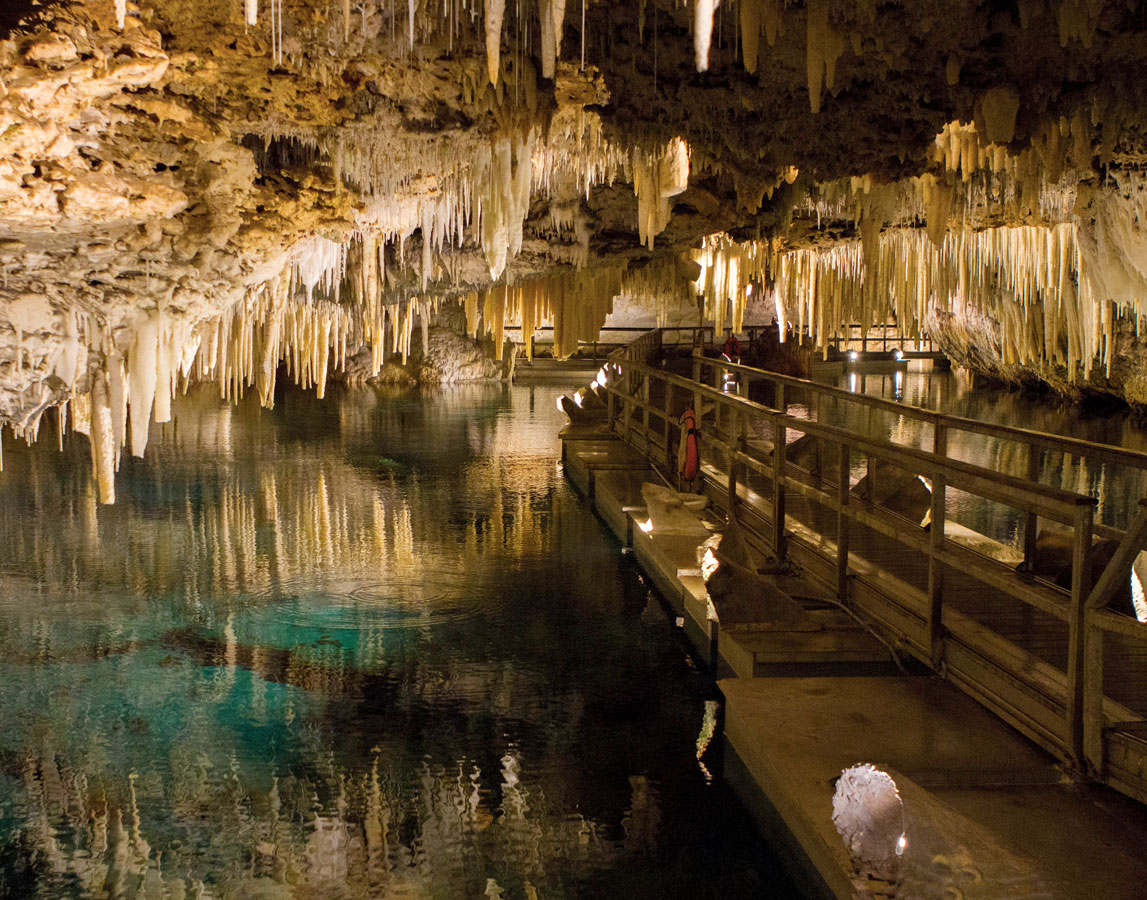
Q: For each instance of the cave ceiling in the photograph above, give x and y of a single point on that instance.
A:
(203, 156)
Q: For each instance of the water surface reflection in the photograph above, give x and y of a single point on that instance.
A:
(956, 392)
(368, 647)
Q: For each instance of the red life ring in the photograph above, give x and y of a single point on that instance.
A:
(689, 450)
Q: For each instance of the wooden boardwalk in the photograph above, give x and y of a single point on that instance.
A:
(1054, 663)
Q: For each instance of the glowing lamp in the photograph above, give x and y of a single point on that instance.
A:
(853, 355)
(646, 526)
(709, 564)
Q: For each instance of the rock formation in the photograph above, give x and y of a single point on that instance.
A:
(226, 191)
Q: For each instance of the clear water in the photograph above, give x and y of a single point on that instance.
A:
(371, 646)
(1117, 490)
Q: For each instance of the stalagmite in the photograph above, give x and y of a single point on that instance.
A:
(703, 11)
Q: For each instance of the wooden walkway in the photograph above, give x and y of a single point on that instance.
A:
(1056, 664)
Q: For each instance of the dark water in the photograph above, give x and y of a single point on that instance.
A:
(372, 646)
(1117, 490)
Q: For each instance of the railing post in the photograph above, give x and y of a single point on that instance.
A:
(779, 396)
(1080, 587)
(1114, 576)
(665, 423)
(645, 410)
(939, 437)
(780, 435)
(739, 424)
(1031, 520)
(936, 571)
(842, 524)
(610, 402)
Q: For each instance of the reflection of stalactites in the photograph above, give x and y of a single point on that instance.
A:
(643, 817)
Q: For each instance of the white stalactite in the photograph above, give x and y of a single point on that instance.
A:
(703, 11)
(495, 9)
(141, 366)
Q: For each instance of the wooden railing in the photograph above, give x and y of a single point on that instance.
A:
(942, 426)
(1064, 710)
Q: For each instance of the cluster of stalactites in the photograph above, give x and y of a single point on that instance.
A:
(1027, 278)
(576, 302)
(974, 181)
(504, 169)
(666, 283)
(128, 389)
(727, 270)
(279, 323)
(482, 193)
(658, 176)
(1034, 281)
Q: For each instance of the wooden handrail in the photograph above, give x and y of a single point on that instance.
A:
(1050, 502)
(1074, 446)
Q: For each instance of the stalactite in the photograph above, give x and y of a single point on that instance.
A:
(750, 33)
(825, 46)
(494, 12)
(657, 177)
(703, 12)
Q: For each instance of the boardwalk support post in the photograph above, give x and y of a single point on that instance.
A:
(781, 435)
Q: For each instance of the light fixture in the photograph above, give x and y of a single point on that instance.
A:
(853, 355)
(561, 408)
(897, 353)
(709, 564)
(646, 526)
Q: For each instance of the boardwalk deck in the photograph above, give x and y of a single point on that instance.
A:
(1070, 676)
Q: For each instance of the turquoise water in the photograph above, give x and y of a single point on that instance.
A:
(371, 646)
